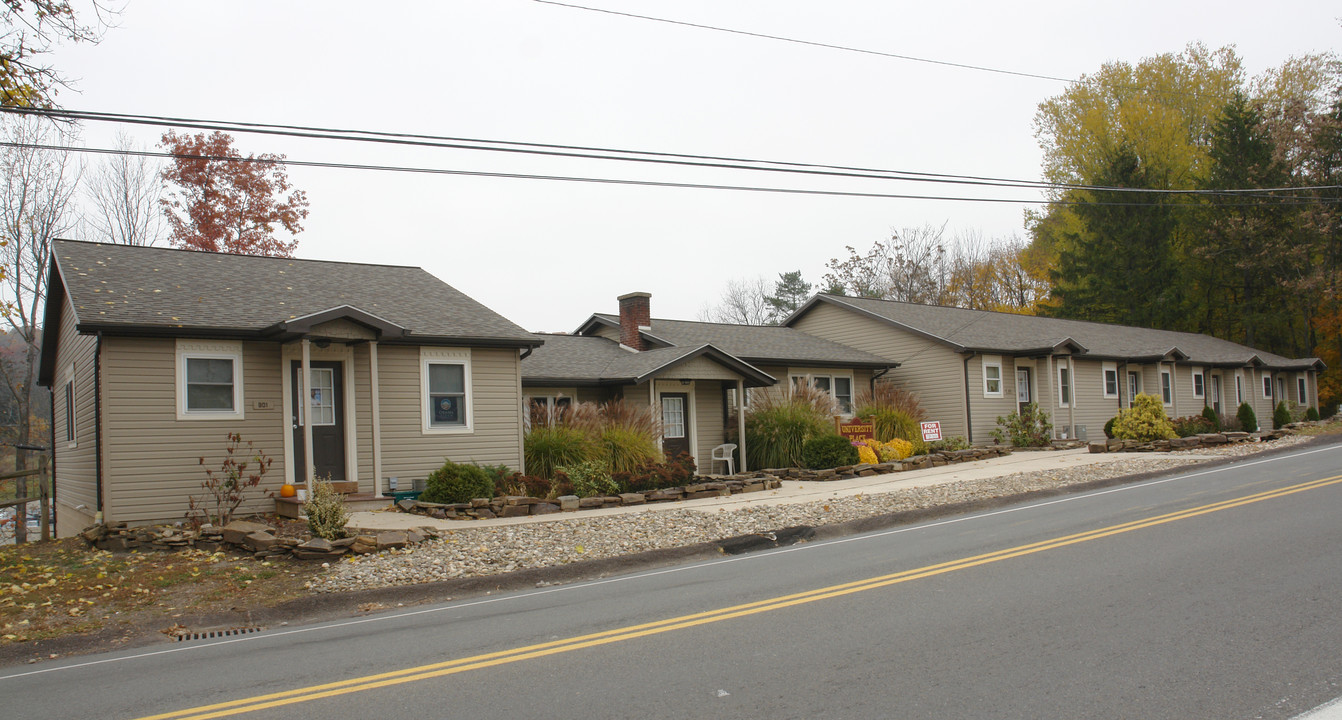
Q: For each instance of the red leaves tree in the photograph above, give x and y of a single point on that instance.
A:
(219, 201)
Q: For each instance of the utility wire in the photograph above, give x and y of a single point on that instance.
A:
(620, 181)
(598, 153)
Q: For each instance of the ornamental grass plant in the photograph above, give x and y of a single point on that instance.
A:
(621, 436)
(892, 410)
(778, 426)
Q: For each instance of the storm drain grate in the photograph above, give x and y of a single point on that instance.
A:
(210, 634)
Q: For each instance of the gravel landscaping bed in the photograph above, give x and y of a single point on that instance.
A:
(488, 551)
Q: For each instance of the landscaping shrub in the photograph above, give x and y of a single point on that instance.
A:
(1028, 428)
(1248, 421)
(866, 453)
(1311, 414)
(547, 447)
(778, 427)
(897, 449)
(1281, 415)
(678, 471)
(589, 478)
(1192, 425)
(954, 442)
(241, 471)
(1210, 413)
(828, 451)
(457, 483)
(1109, 427)
(626, 448)
(893, 411)
(326, 510)
(1144, 421)
(624, 436)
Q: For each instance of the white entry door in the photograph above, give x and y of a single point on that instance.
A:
(1022, 386)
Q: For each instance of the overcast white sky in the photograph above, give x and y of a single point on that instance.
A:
(547, 254)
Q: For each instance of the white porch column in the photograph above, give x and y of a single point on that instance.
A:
(304, 410)
(377, 418)
(1071, 401)
(1052, 393)
(741, 421)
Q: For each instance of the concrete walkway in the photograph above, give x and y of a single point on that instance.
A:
(792, 491)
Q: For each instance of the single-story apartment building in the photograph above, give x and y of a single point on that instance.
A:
(968, 367)
(154, 356)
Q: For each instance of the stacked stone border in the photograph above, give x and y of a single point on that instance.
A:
(1192, 442)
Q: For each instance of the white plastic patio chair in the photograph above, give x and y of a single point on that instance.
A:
(723, 453)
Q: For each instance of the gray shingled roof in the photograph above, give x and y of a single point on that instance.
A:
(1007, 333)
(587, 360)
(758, 344)
(118, 287)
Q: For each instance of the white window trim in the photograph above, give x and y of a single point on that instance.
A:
(1267, 386)
(454, 356)
(1166, 381)
(1134, 381)
(71, 403)
(808, 378)
(212, 349)
(1196, 376)
(1302, 390)
(1239, 389)
(1105, 369)
(993, 361)
(1070, 385)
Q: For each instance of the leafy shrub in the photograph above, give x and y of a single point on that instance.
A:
(828, 451)
(654, 476)
(326, 510)
(241, 471)
(1311, 414)
(1248, 420)
(1192, 425)
(1210, 413)
(457, 483)
(1281, 415)
(1028, 428)
(547, 447)
(589, 478)
(955, 442)
(896, 449)
(778, 427)
(866, 453)
(893, 411)
(1145, 421)
(1109, 427)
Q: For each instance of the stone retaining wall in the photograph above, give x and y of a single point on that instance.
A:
(1185, 443)
(247, 536)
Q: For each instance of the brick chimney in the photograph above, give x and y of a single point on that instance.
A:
(635, 313)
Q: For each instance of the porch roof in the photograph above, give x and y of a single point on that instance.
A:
(582, 360)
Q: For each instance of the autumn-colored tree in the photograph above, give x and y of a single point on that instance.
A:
(28, 30)
(220, 201)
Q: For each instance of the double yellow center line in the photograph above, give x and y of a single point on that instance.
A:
(477, 662)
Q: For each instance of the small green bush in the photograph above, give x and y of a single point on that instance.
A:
(828, 451)
(589, 478)
(1028, 428)
(457, 483)
(954, 442)
(1248, 421)
(547, 447)
(326, 511)
(1210, 413)
(1281, 415)
(676, 472)
(1311, 414)
(1109, 427)
(1144, 421)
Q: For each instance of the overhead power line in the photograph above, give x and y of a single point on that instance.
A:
(623, 181)
(615, 154)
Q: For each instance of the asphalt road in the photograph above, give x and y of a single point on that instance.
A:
(1210, 594)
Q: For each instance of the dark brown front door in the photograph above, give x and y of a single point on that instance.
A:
(675, 424)
(325, 410)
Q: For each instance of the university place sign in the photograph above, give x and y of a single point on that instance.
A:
(855, 430)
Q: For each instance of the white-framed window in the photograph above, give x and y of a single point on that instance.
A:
(1199, 384)
(546, 406)
(69, 394)
(992, 376)
(1267, 387)
(445, 390)
(1064, 387)
(1166, 387)
(209, 380)
(1134, 385)
(1239, 389)
(839, 387)
(1110, 379)
(1302, 396)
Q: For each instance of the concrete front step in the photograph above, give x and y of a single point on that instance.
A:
(356, 502)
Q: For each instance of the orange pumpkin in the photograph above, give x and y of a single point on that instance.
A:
(287, 490)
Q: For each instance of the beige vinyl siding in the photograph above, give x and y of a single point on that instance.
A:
(409, 453)
(152, 459)
(984, 410)
(608, 332)
(700, 368)
(362, 399)
(1183, 390)
(1090, 408)
(76, 467)
(708, 428)
(929, 369)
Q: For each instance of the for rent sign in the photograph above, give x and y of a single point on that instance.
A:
(931, 431)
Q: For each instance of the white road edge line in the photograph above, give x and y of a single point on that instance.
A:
(667, 571)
